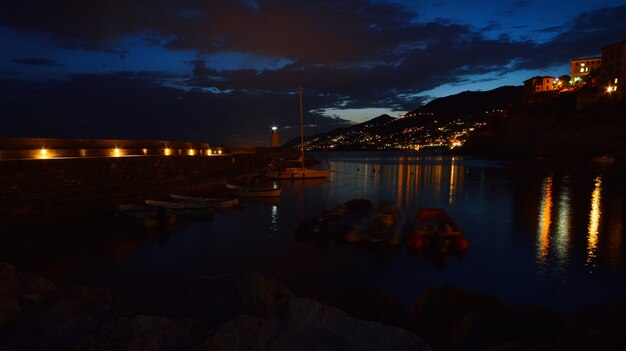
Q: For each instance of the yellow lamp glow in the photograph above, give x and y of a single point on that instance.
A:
(145, 151)
(167, 151)
(219, 152)
(43, 153)
(191, 152)
(116, 152)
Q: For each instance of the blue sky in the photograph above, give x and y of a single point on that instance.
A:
(226, 71)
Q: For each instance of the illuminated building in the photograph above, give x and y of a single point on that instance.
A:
(538, 84)
(581, 67)
(614, 68)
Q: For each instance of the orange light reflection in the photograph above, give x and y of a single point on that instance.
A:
(594, 223)
(545, 219)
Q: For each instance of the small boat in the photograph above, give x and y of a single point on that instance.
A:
(171, 205)
(385, 225)
(209, 201)
(147, 216)
(254, 191)
(336, 221)
(182, 209)
(298, 173)
(603, 160)
(433, 230)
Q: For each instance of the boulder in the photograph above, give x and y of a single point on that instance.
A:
(34, 286)
(9, 311)
(158, 333)
(217, 299)
(58, 327)
(445, 306)
(144, 333)
(478, 330)
(598, 327)
(91, 295)
(363, 303)
(521, 345)
(304, 324)
(9, 280)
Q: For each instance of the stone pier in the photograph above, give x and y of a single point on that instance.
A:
(42, 189)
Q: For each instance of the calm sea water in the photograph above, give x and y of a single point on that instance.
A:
(540, 232)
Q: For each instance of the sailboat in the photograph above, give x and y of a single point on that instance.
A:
(299, 172)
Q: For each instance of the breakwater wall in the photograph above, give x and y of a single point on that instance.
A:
(47, 189)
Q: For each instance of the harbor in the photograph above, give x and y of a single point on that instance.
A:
(73, 178)
(546, 238)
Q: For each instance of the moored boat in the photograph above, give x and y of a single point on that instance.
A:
(182, 209)
(247, 191)
(433, 230)
(145, 215)
(209, 201)
(603, 160)
(385, 225)
(299, 172)
(338, 220)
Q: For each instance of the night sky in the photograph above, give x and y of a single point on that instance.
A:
(224, 72)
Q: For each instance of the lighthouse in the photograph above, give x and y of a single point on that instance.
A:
(274, 136)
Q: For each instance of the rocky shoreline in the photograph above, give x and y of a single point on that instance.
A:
(250, 312)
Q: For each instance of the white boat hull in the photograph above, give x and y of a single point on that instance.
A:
(243, 191)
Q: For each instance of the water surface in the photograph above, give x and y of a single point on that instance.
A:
(540, 232)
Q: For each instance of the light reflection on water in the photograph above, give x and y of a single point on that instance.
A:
(545, 220)
(594, 223)
(562, 231)
(274, 219)
(535, 232)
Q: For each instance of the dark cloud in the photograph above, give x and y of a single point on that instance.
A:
(36, 62)
(515, 7)
(347, 54)
(130, 105)
(551, 29)
(584, 36)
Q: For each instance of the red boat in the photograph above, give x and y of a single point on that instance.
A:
(433, 230)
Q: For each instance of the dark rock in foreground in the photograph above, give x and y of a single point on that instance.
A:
(469, 320)
(303, 324)
(599, 327)
(363, 303)
(229, 312)
(250, 312)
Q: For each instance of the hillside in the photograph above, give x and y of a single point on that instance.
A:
(554, 127)
(374, 125)
(436, 123)
(472, 104)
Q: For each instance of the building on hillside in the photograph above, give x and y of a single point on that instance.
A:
(613, 77)
(538, 84)
(581, 67)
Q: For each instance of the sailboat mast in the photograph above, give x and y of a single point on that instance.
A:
(301, 131)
